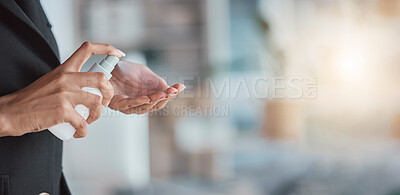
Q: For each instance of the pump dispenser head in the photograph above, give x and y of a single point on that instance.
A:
(106, 66)
(109, 63)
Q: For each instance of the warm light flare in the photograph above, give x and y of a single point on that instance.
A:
(351, 67)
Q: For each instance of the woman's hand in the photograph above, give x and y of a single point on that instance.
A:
(51, 99)
(138, 90)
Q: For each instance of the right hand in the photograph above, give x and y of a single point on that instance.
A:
(51, 99)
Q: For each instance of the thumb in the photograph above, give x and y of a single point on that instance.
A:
(85, 51)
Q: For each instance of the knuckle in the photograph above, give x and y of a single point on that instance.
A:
(98, 111)
(86, 45)
(95, 114)
(61, 78)
(109, 47)
(97, 100)
(102, 77)
(82, 125)
(81, 128)
(62, 91)
(60, 69)
(109, 92)
(62, 109)
(60, 99)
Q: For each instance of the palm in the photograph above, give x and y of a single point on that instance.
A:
(139, 90)
(135, 80)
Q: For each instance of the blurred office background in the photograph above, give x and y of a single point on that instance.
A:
(283, 97)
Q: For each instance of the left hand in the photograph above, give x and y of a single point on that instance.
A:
(138, 90)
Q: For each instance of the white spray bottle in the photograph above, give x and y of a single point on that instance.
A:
(65, 131)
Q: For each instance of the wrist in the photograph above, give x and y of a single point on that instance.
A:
(5, 120)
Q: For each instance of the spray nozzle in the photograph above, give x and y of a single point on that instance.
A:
(109, 63)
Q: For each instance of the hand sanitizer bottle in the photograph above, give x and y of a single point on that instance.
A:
(65, 131)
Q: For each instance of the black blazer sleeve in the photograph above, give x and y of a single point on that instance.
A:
(29, 164)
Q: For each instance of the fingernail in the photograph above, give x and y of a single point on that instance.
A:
(172, 94)
(122, 53)
(164, 98)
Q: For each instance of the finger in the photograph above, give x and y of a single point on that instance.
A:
(172, 92)
(95, 80)
(143, 110)
(179, 87)
(94, 115)
(78, 123)
(155, 99)
(135, 110)
(91, 101)
(126, 103)
(160, 105)
(86, 50)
